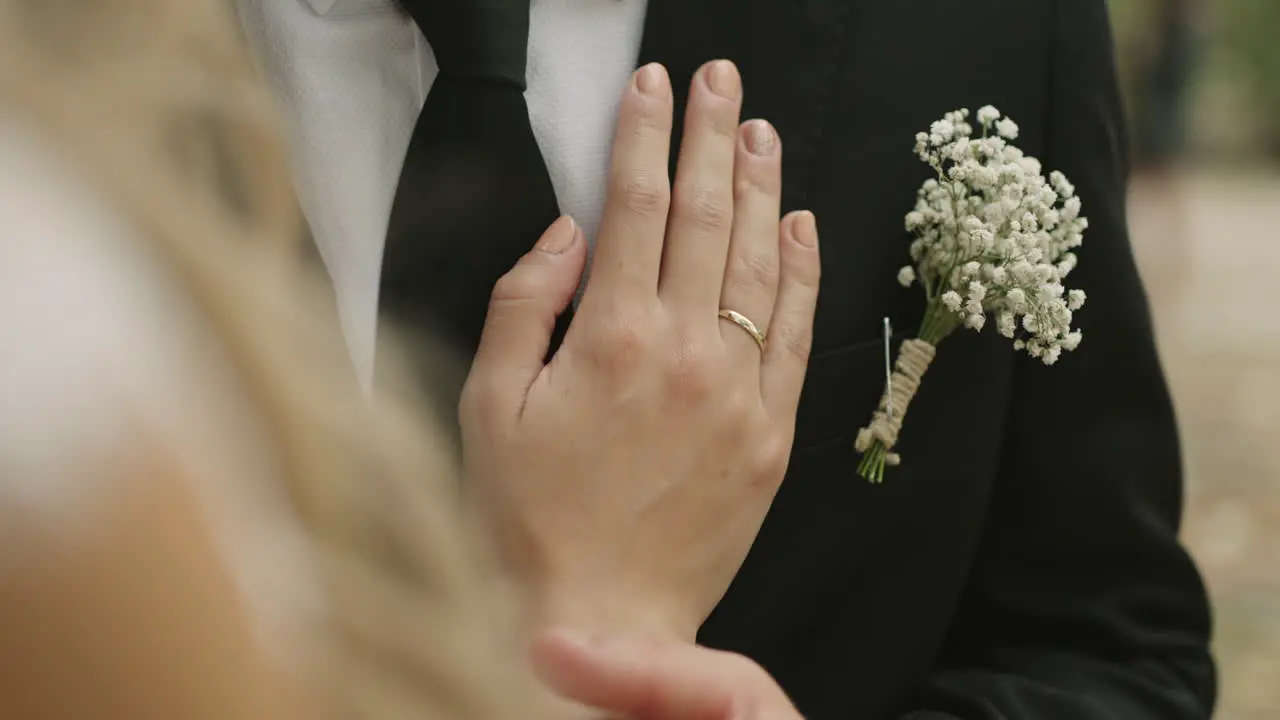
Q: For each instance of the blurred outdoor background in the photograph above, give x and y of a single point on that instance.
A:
(1202, 79)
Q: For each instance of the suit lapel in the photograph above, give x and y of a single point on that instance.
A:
(788, 51)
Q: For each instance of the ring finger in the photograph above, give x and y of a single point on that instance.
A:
(751, 272)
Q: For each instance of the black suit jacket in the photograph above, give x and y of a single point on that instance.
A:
(1023, 562)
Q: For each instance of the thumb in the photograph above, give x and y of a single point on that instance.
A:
(523, 310)
(644, 679)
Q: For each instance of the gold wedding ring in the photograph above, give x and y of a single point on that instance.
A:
(745, 323)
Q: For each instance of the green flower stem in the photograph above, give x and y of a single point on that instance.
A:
(872, 466)
(938, 323)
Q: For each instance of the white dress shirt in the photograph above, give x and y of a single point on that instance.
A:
(353, 75)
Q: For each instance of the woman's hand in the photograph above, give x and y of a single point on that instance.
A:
(628, 478)
(650, 679)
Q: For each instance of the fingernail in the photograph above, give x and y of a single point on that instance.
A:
(651, 79)
(722, 78)
(760, 138)
(560, 236)
(804, 229)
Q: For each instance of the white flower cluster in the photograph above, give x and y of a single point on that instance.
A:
(993, 236)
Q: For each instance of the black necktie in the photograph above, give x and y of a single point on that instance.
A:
(474, 194)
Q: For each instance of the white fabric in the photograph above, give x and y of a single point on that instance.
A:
(352, 76)
(92, 331)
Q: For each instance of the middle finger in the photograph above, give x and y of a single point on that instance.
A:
(702, 201)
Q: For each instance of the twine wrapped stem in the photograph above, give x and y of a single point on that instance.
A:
(881, 435)
(876, 440)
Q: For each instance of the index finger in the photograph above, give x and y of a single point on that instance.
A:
(628, 251)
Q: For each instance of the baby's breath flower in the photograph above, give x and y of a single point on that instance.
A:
(1061, 184)
(941, 132)
(1005, 324)
(990, 234)
(952, 300)
(993, 234)
(1071, 208)
(1075, 299)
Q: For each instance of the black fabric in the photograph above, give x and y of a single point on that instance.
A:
(474, 194)
(1023, 562)
(479, 39)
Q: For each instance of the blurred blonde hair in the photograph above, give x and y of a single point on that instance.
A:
(158, 102)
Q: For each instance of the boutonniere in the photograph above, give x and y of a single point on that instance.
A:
(991, 236)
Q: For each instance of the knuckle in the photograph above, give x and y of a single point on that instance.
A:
(652, 120)
(757, 270)
(745, 185)
(772, 458)
(643, 194)
(513, 286)
(804, 269)
(724, 122)
(757, 181)
(621, 344)
(623, 340)
(739, 408)
(797, 342)
(691, 374)
(705, 206)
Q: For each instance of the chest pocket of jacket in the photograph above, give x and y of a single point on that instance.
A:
(841, 389)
